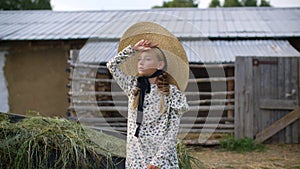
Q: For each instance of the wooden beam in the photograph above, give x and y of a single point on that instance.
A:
(121, 93)
(184, 120)
(125, 108)
(211, 79)
(211, 65)
(278, 104)
(191, 102)
(207, 126)
(278, 125)
(195, 80)
(92, 66)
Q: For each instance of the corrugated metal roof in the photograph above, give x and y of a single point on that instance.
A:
(183, 22)
(204, 51)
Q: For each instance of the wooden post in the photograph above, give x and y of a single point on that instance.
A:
(230, 87)
(243, 118)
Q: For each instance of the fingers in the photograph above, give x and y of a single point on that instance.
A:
(150, 44)
(145, 45)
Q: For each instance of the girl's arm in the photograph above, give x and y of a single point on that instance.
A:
(126, 82)
(177, 100)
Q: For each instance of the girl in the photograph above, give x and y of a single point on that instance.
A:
(155, 101)
(155, 107)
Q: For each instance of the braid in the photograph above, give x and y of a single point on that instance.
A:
(136, 97)
(163, 84)
(164, 89)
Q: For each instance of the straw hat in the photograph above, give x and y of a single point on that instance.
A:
(175, 54)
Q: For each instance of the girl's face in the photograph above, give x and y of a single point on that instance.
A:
(148, 63)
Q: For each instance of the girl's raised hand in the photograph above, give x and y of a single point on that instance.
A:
(144, 45)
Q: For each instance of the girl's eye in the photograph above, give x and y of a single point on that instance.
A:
(139, 59)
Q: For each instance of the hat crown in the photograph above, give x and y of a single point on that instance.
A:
(175, 54)
(144, 28)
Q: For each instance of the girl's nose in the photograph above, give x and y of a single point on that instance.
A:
(141, 62)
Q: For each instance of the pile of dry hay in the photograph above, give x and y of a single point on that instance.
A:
(40, 142)
(44, 142)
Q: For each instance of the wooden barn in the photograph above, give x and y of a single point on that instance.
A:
(54, 63)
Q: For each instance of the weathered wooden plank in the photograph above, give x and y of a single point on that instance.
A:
(208, 126)
(284, 135)
(230, 87)
(103, 124)
(182, 130)
(120, 93)
(183, 119)
(296, 132)
(239, 96)
(278, 125)
(191, 65)
(99, 108)
(277, 90)
(185, 130)
(243, 97)
(89, 66)
(103, 119)
(209, 93)
(100, 102)
(196, 80)
(295, 128)
(93, 93)
(207, 119)
(212, 101)
(213, 107)
(278, 104)
(88, 79)
(125, 108)
(252, 90)
(211, 79)
(211, 65)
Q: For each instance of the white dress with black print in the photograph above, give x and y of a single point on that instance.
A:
(156, 143)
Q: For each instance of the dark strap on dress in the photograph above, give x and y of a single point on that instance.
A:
(145, 87)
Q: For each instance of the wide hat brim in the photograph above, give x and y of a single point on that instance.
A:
(177, 61)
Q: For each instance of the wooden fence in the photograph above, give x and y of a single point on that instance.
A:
(267, 99)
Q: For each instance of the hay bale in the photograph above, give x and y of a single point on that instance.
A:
(42, 142)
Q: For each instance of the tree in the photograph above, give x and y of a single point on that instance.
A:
(239, 3)
(265, 3)
(215, 3)
(232, 3)
(178, 4)
(249, 2)
(25, 4)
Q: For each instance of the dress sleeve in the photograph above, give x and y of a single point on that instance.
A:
(126, 82)
(177, 100)
(178, 105)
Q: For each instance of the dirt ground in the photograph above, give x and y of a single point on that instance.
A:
(275, 156)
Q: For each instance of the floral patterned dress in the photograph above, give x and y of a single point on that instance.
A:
(156, 143)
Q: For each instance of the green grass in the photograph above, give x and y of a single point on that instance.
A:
(186, 160)
(241, 145)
